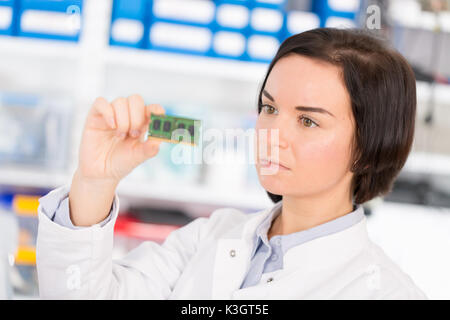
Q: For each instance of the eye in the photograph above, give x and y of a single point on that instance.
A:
(268, 109)
(307, 122)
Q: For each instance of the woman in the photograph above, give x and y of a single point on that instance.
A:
(342, 105)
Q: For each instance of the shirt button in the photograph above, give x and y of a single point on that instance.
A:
(278, 241)
(269, 279)
(232, 253)
(372, 269)
(274, 257)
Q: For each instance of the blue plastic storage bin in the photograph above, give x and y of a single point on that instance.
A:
(182, 26)
(248, 30)
(6, 199)
(233, 15)
(231, 29)
(7, 17)
(262, 48)
(51, 19)
(276, 4)
(229, 44)
(300, 21)
(267, 18)
(267, 29)
(337, 12)
(129, 24)
(34, 130)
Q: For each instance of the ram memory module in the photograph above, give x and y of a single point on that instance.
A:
(163, 127)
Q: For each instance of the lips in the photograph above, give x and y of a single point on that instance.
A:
(268, 163)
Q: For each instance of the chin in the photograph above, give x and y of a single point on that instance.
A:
(272, 183)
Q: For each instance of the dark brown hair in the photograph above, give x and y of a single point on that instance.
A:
(382, 88)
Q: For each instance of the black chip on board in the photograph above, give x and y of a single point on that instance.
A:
(181, 126)
(191, 130)
(156, 124)
(166, 127)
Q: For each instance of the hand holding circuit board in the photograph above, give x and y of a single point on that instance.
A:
(174, 129)
(118, 136)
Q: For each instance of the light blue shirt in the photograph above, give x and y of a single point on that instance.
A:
(56, 207)
(267, 256)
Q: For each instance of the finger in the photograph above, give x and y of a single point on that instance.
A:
(154, 109)
(137, 115)
(120, 106)
(149, 110)
(102, 107)
(149, 148)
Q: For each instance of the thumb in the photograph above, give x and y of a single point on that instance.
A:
(148, 149)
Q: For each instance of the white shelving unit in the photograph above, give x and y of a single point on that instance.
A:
(195, 66)
(427, 163)
(85, 67)
(197, 194)
(87, 64)
(29, 177)
(39, 48)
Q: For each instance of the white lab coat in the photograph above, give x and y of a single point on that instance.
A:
(195, 263)
(9, 234)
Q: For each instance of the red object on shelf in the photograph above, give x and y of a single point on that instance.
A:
(442, 79)
(133, 228)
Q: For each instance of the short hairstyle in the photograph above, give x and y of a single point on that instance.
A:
(382, 88)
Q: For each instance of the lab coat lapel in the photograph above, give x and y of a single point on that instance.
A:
(313, 268)
(328, 252)
(233, 257)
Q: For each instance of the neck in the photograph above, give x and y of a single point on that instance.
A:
(302, 213)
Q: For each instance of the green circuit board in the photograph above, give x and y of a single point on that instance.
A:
(163, 127)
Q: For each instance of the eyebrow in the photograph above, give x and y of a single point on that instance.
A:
(301, 108)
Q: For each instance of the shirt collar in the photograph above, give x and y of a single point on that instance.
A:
(290, 240)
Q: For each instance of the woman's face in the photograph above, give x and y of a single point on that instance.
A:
(306, 102)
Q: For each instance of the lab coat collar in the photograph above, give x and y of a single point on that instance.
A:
(338, 246)
(329, 251)
(322, 254)
(248, 234)
(232, 258)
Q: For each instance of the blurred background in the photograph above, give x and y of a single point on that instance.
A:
(206, 60)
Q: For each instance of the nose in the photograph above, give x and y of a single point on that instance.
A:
(271, 136)
(270, 141)
(278, 137)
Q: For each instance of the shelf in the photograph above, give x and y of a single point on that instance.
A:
(409, 14)
(32, 178)
(192, 65)
(244, 198)
(428, 163)
(96, 35)
(418, 162)
(38, 48)
(441, 92)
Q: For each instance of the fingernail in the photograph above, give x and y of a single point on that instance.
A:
(121, 135)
